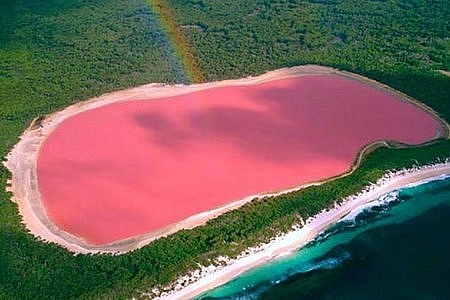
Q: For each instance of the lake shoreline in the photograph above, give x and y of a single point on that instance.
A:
(22, 160)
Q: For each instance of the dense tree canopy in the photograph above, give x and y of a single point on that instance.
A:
(56, 52)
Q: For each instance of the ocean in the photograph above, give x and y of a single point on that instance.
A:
(398, 247)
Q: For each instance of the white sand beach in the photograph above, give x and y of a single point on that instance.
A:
(209, 277)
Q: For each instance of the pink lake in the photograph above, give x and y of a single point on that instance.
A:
(131, 168)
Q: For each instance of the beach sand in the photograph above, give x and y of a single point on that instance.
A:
(209, 278)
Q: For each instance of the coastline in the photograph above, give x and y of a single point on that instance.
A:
(201, 281)
(21, 161)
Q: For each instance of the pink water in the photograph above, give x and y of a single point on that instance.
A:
(130, 168)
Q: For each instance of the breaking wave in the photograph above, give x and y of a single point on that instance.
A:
(334, 252)
(425, 181)
(251, 292)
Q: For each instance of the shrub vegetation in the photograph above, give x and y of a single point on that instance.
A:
(56, 52)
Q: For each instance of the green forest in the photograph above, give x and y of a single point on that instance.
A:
(55, 53)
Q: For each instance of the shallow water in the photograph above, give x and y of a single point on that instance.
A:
(398, 248)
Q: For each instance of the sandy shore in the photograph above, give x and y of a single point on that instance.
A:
(21, 161)
(209, 277)
(445, 72)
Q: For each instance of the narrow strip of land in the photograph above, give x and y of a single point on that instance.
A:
(286, 244)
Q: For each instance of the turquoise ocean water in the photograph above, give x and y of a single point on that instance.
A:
(397, 248)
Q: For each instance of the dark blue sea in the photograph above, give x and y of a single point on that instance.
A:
(397, 248)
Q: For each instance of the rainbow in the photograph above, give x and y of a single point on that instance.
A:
(163, 14)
